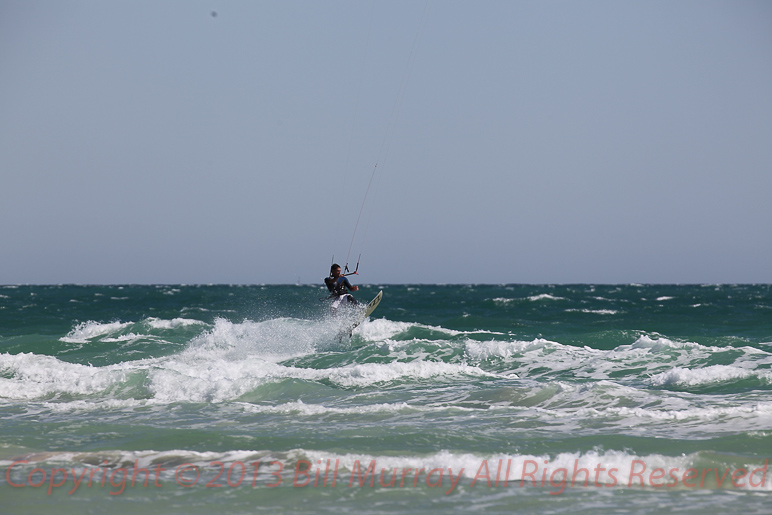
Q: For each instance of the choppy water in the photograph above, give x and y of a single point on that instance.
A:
(518, 399)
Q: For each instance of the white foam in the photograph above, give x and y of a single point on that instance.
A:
(544, 296)
(86, 331)
(662, 360)
(213, 379)
(499, 349)
(658, 344)
(367, 374)
(206, 377)
(36, 376)
(755, 410)
(596, 469)
(318, 409)
(274, 339)
(701, 376)
(202, 380)
(86, 405)
(222, 363)
(157, 323)
(123, 338)
(595, 311)
(382, 329)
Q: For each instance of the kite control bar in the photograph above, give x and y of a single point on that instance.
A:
(345, 269)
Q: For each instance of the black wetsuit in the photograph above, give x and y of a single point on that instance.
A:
(339, 287)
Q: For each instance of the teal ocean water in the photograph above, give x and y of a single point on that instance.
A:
(497, 399)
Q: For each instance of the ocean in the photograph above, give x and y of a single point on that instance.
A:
(450, 398)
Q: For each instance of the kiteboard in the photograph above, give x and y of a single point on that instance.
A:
(367, 311)
(360, 316)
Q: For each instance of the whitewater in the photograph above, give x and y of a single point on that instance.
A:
(450, 398)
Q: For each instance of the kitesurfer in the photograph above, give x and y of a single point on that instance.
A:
(339, 288)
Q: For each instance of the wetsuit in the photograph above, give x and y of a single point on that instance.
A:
(339, 288)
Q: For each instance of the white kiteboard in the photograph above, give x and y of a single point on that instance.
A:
(368, 310)
(360, 316)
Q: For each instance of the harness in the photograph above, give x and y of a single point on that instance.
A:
(337, 286)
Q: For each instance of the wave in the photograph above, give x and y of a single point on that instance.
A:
(192, 377)
(762, 411)
(91, 331)
(224, 379)
(506, 349)
(594, 311)
(659, 359)
(33, 376)
(384, 331)
(544, 296)
(553, 473)
(226, 361)
(708, 375)
(175, 323)
(303, 409)
(531, 298)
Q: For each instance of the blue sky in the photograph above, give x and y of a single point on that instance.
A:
(515, 142)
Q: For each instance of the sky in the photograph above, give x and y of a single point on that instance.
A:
(252, 142)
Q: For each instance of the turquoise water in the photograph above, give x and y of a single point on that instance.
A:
(512, 398)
